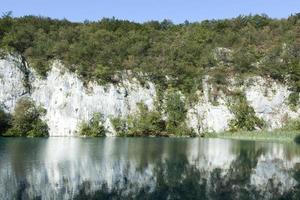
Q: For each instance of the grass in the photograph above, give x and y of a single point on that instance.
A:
(278, 135)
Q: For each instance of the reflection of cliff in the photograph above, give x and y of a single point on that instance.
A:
(158, 168)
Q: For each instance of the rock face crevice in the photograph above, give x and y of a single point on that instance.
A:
(69, 101)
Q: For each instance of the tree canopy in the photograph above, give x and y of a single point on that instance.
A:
(178, 55)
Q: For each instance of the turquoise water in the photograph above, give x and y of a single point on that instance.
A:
(147, 168)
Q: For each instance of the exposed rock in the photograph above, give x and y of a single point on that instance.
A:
(207, 117)
(12, 81)
(69, 102)
(269, 100)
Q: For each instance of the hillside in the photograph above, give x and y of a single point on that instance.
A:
(153, 78)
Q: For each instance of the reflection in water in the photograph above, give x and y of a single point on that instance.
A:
(147, 168)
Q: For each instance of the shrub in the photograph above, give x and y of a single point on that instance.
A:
(176, 114)
(5, 121)
(92, 128)
(244, 116)
(292, 125)
(146, 122)
(120, 125)
(175, 110)
(39, 129)
(26, 120)
(243, 58)
(293, 99)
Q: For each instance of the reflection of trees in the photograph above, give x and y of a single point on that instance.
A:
(295, 192)
(235, 184)
(174, 180)
(178, 179)
(149, 170)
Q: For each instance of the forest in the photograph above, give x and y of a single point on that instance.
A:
(171, 55)
(175, 57)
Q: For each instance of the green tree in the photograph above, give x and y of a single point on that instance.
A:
(93, 128)
(244, 116)
(26, 120)
(146, 122)
(176, 114)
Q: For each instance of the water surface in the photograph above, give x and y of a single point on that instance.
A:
(148, 168)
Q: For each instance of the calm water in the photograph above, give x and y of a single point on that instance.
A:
(147, 168)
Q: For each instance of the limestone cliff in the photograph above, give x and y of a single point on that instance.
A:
(68, 101)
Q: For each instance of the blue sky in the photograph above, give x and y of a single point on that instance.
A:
(145, 10)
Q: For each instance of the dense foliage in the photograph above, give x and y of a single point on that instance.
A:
(244, 116)
(92, 128)
(4, 121)
(26, 120)
(176, 114)
(147, 122)
(178, 55)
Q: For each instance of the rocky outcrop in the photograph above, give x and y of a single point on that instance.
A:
(270, 101)
(12, 81)
(69, 102)
(268, 98)
(207, 116)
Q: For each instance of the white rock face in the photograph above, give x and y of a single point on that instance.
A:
(269, 100)
(207, 117)
(69, 102)
(11, 82)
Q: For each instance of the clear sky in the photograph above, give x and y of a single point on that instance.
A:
(144, 10)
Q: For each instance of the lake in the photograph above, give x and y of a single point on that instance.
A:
(147, 168)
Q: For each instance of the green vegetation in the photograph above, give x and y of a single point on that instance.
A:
(92, 128)
(293, 99)
(277, 135)
(120, 126)
(175, 57)
(292, 125)
(289, 132)
(244, 116)
(147, 122)
(26, 120)
(176, 114)
(171, 55)
(5, 120)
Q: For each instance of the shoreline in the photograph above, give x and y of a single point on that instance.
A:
(276, 136)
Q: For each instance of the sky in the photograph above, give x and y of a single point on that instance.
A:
(145, 10)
